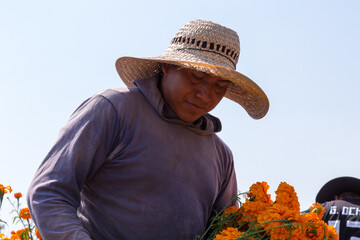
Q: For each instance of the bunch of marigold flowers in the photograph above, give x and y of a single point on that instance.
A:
(261, 218)
(28, 230)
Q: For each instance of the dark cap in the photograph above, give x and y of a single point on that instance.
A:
(337, 186)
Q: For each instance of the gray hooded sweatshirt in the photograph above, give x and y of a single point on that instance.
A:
(125, 167)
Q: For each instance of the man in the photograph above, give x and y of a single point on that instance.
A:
(341, 200)
(145, 162)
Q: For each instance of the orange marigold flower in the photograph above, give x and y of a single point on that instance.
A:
(286, 195)
(312, 226)
(15, 236)
(21, 234)
(228, 234)
(257, 202)
(318, 209)
(275, 216)
(331, 233)
(4, 189)
(2, 237)
(310, 217)
(258, 192)
(231, 216)
(250, 210)
(37, 234)
(229, 210)
(18, 195)
(25, 213)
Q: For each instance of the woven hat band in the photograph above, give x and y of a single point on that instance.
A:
(183, 43)
(208, 37)
(195, 55)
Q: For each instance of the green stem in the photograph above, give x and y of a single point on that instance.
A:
(280, 226)
(215, 218)
(17, 210)
(30, 229)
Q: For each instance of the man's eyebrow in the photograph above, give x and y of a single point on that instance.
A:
(221, 80)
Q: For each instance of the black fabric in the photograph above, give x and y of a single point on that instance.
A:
(344, 215)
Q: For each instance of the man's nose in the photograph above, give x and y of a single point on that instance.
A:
(204, 92)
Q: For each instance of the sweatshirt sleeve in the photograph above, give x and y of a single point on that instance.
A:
(228, 193)
(81, 148)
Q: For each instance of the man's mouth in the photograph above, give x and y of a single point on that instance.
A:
(195, 108)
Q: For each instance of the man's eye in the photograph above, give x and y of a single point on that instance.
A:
(197, 76)
(221, 86)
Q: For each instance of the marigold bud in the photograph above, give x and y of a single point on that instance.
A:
(316, 210)
(18, 195)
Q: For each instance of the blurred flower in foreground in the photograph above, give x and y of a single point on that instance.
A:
(37, 234)
(4, 189)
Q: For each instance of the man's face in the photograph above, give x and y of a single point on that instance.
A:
(189, 93)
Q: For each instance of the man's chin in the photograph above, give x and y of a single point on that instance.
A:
(189, 119)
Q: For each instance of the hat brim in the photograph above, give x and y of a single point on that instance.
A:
(242, 89)
(336, 187)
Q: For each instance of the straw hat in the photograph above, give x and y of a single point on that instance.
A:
(208, 47)
(336, 187)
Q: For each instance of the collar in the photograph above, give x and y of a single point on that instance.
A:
(351, 200)
(205, 125)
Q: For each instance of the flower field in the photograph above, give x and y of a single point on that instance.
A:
(22, 218)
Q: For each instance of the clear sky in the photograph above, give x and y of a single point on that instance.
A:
(304, 54)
